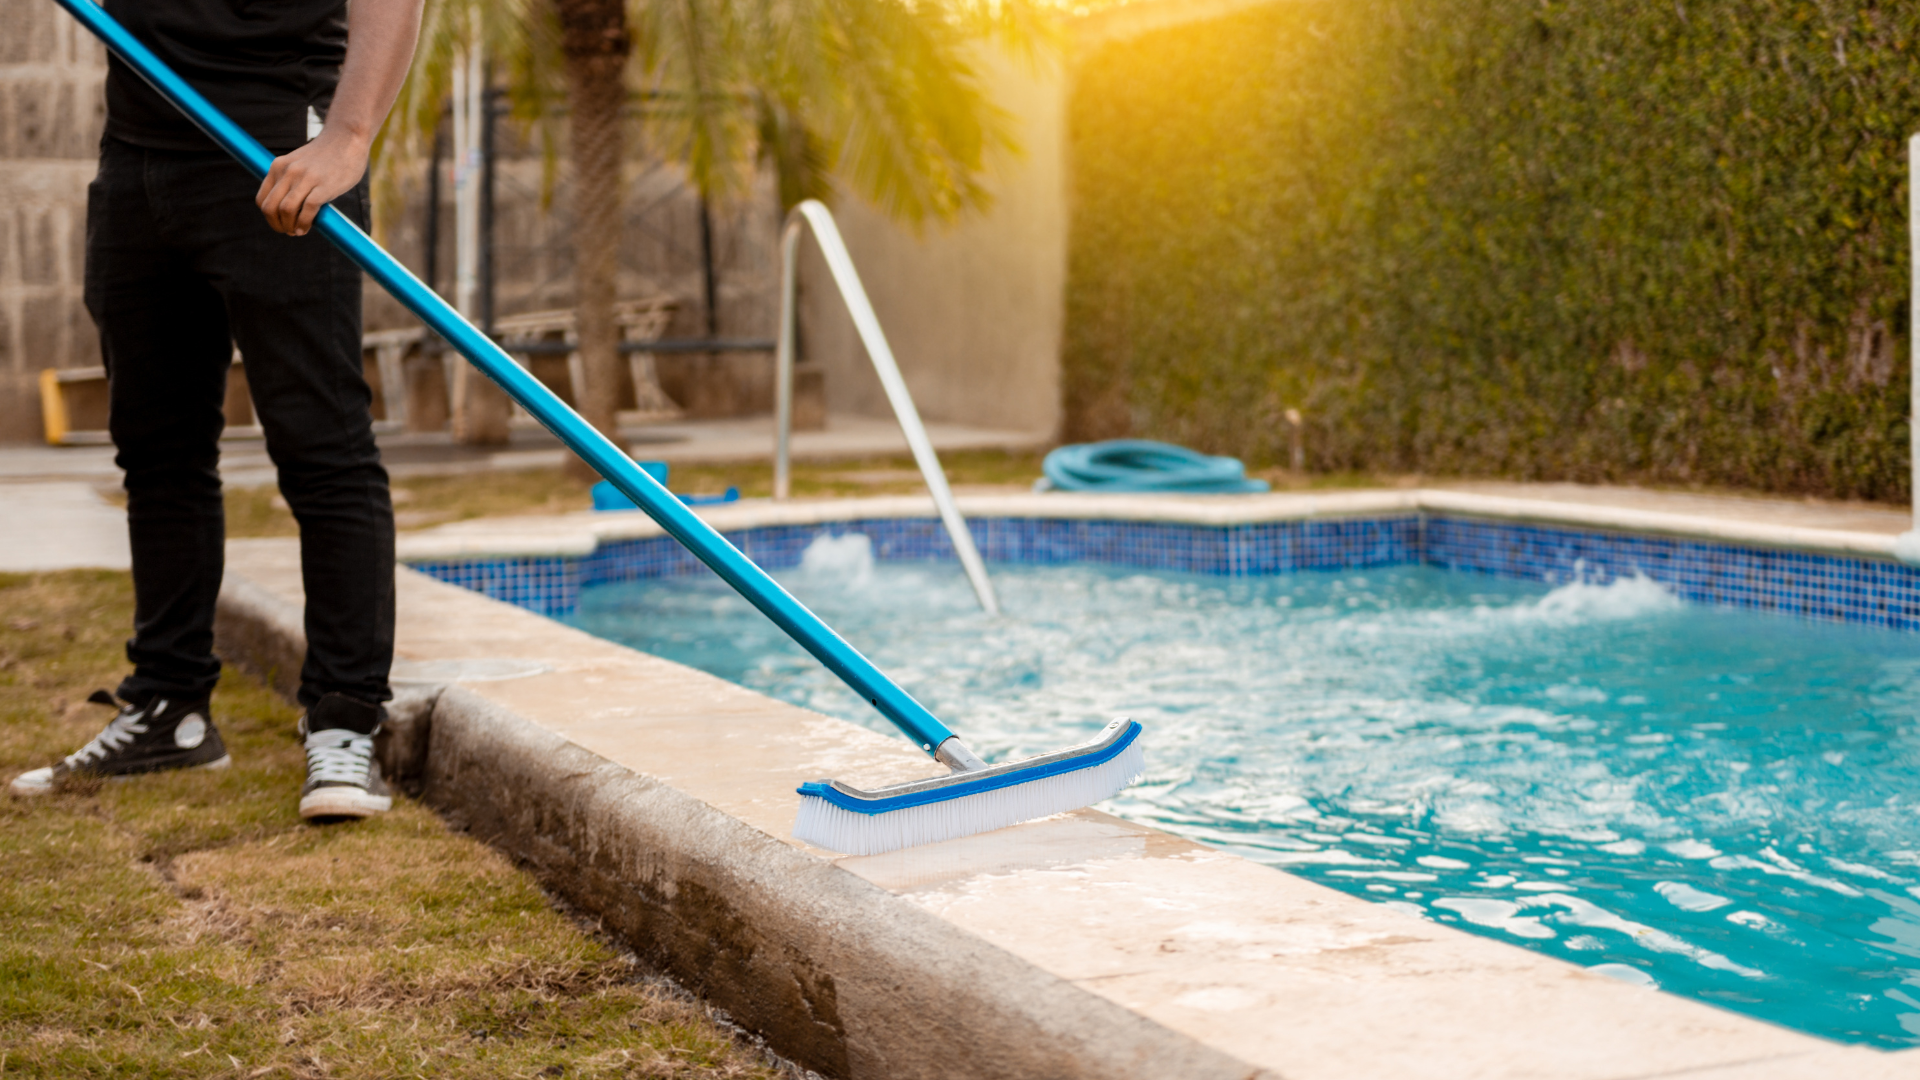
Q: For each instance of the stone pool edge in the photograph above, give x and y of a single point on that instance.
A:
(856, 979)
(580, 534)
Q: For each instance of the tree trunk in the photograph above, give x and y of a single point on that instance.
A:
(596, 45)
(482, 412)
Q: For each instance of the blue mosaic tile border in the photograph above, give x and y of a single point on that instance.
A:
(1276, 547)
(548, 585)
(1828, 587)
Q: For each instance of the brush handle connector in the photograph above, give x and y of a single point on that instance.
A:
(954, 755)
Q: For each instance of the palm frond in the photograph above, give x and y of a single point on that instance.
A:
(884, 96)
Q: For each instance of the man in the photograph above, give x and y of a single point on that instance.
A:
(188, 257)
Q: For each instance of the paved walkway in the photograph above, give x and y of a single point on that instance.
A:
(244, 461)
(60, 526)
(1755, 509)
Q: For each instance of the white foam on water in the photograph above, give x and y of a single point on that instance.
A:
(1581, 912)
(1577, 695)
(1495, 914)
(1753, 920)
(847, 558)
(1626, 973)
(1862, 870)
(1779, 865)
(1687, 898)
(1386, 875)
(1622, 598)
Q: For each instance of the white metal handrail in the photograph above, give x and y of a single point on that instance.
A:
(1906, 546)
(827, 235)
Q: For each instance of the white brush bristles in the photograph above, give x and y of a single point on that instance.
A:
(823, 824)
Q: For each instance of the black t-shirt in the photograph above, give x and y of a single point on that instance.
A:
(265, 63)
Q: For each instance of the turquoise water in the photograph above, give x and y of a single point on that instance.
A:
(1719, 803)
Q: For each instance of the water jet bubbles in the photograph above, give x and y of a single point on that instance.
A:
(847, 558)
(1623, 598)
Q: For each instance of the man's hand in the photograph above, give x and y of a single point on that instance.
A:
(303, 181)
(380, 36)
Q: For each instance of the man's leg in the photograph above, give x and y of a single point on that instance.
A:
(163, 336)
(164, 339)
(294, 306)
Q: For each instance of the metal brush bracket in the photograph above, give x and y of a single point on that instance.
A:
(954, 755)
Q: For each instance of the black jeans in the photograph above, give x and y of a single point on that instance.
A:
(181, 267)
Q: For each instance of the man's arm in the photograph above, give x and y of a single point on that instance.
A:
(380, 39)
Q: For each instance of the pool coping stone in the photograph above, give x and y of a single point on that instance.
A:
(580, 534)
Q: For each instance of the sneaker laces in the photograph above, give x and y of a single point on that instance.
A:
(119, 732)
(341, 757)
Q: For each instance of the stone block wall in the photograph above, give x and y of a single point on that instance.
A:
(51, 109)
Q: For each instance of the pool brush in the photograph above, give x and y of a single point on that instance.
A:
(975, 797)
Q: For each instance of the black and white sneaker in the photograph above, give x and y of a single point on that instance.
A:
(162, 734)
(343, 780)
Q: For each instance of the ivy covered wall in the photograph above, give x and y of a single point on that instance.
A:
(1657, 241)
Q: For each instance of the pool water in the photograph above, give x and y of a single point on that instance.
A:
(1719, 803)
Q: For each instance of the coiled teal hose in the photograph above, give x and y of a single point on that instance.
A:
(1143, 465)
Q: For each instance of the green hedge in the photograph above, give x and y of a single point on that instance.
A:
(1603, 240)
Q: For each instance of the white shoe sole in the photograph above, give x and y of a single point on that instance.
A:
(344, 802)
(40, 781)
(33, 782)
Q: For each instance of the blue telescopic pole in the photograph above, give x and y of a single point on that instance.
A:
(682, 524)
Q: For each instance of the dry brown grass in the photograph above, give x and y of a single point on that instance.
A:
(191, 925)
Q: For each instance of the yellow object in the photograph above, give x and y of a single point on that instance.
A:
(53, 407)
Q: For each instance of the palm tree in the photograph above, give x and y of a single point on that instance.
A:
(880, 92)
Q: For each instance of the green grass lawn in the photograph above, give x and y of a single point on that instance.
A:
(190, 925)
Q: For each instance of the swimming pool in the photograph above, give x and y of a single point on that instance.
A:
(1718, 802)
